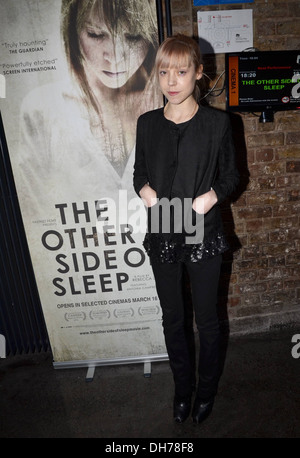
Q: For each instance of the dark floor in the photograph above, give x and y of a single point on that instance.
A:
(259, 396)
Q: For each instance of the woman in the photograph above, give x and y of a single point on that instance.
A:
(78, 134)
(185, 154)
(110, 46)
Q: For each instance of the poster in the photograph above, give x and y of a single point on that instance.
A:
(77, 75)
(225, 31)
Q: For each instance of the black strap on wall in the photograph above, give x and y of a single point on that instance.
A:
(160, 19)
(168, 18)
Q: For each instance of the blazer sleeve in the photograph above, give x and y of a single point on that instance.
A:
(140, 174)
(227, 177)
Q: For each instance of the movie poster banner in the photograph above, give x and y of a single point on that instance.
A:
(77, 75)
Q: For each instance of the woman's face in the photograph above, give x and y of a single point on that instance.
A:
(178, 83)
(113, 59)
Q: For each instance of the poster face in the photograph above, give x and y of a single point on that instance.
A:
(78, 73)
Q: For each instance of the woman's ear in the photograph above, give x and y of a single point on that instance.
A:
(199, 72)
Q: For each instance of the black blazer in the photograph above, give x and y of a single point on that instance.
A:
(210, 161)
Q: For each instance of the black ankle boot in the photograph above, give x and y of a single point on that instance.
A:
(201, 410)
(181, 409)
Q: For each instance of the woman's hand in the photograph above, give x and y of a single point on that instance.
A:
(148, 196)
(202, 204)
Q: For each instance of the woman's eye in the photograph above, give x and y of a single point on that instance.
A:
(162, 72)
(133, 38)
(182, 72)
(96, 36)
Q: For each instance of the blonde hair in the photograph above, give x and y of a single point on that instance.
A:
(138, 16)
(179, 51)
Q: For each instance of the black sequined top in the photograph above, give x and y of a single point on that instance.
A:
(161, 249)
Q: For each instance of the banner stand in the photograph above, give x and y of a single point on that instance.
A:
(92, 364)
(148, 359)
(72, 169)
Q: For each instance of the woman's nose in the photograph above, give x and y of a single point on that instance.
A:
(114, 50)
(171, 79)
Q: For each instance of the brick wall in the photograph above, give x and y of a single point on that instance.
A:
(260, 286)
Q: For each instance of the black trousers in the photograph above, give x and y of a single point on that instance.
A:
(204, 279)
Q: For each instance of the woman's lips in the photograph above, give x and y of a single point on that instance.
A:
(173, 93)
(113, 74)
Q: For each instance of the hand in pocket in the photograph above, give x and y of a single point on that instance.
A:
(202, 204)
(148, 196)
